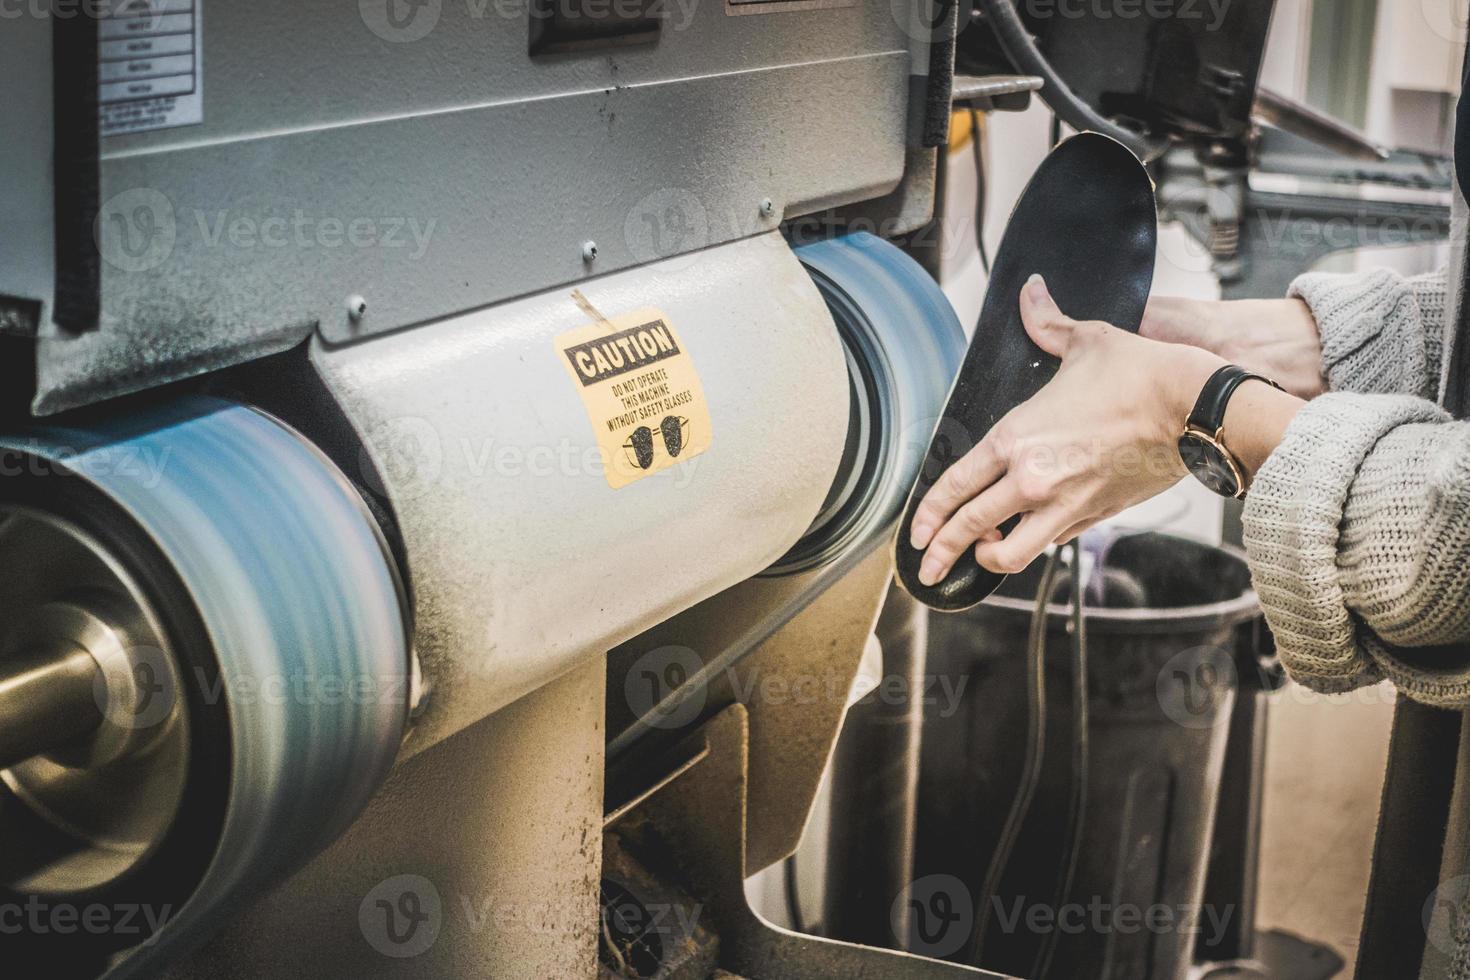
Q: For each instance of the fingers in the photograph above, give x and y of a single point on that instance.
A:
(976, 521)
(974, 471)
(1045, 323)
(1021, 547)
(985, 464)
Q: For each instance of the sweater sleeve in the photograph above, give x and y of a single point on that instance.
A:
(1382, 333)
(1357, 529)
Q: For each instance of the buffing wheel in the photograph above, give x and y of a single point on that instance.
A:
(244, 567)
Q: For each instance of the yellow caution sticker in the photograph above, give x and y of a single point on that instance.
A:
(641, 392)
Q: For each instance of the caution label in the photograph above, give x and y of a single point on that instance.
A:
(641, 391)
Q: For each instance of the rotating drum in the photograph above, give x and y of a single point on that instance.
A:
(211, 624)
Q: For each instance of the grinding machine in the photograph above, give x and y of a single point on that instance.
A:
(417, 418)
(451, 452)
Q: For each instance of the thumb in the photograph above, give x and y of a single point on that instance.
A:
(1046, 324)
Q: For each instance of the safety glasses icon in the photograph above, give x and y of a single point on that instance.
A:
(674, 430)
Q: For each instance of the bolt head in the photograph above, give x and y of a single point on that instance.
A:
(768, 207)
(356, 307)
(589, 251)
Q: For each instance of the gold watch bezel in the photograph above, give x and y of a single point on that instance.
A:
(1217, 439)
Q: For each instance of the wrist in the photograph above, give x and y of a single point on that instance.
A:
(1182, 378)
(1255, 422)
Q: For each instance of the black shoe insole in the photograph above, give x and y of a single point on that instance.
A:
(1086, 222)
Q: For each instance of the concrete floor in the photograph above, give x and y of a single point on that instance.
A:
(1324, 771)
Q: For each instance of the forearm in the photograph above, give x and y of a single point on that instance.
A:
(1255, 422)
(1371, 333)
(1274, 337)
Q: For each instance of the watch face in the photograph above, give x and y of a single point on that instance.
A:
(1209, 464)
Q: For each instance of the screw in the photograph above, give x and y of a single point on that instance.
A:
(356, 307)
(589, 251)
(768, 207)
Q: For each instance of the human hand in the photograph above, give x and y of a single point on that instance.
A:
(1276, 338)
(1100, 436)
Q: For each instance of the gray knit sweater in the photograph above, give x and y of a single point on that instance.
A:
(1358, 525)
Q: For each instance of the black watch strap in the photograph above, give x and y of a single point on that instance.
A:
(1208, 414)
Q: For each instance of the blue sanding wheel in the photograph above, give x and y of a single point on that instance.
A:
(296, 662)
(903, 344)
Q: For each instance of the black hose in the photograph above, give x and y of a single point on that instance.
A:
(1030, 765)
(1020, 47)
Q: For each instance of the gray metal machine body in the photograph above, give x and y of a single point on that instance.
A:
(365, 167)
(412, 200)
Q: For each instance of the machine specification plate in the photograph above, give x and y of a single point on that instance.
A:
(641, 392)
(149, 65)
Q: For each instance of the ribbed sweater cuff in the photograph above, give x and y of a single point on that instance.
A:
(1372, 338)
(1292, 516)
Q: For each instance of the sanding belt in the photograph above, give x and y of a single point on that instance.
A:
(1419, 810)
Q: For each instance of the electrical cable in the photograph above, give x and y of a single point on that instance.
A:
(1031, 763)
(1020, 47)
(1081, 751)
(979, 190)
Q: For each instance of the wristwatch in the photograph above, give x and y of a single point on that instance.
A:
(1202, 444)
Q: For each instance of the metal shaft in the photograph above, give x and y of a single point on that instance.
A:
(48, 698)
